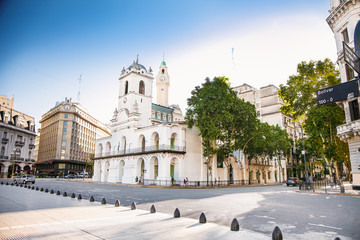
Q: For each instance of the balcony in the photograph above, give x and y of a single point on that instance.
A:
(4, 140)
(3, 157)
(31, 146)
(19, 143)
(139, 151)
(349, 130)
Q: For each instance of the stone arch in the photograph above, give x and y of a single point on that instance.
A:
(123, 144)
(97, 171)
(27, 168)
(100, 150)
(106, 171)
(2, 170)
(155, 140)
(154, 168)
(141, 143)
(121, 170)
(140, 169)
(141, 87)
(108, 148)
(175, 168)
(173, 140)
(17, 168)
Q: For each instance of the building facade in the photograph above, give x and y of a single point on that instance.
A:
(267, 105)
(344, 21)
(150, 142)
(67, 139)
(17, 132)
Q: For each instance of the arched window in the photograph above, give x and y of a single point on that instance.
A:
(141, 87)
(163, 71)
(126, 87)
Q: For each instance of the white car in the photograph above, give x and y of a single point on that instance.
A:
(24, 179)
(81, 175)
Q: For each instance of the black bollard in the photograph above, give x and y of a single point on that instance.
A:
(58, 192)
(7, 183)
(176, 213)
(133, 206)
(29, 187)
(46, 190)
(79, 197)
(25, 186)
(342, 189)
(32, 188)
(2, 183)
(276, 234)
(65, 194)
(12, 184)
(73, 195)
(41, 189)
(21, 185)
(235, 225)
(202, 218)
(337, 238)
(52, 191)
(17, 184)
(92, 199)
(37, 189)
(117, 203)
(152, 209)
(103, 201)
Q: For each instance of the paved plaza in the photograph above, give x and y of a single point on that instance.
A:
(31, 214)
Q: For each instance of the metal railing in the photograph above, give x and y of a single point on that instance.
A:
(326, 186)
(150, 149)
(222, 183)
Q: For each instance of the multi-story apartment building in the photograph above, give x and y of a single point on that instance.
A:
(17, 133)
(267, 104)
(67, 139)
(344, 21)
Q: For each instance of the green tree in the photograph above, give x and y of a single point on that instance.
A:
(299, 93)
(223, 119)
(299, 98)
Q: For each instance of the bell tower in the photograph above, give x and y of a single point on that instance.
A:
(162, 85)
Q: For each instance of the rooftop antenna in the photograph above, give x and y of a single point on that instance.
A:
(79, 88)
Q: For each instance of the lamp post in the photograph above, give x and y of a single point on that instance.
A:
(280, 168)
(14, 157)
(303, 152)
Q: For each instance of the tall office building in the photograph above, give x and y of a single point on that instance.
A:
(67, 139)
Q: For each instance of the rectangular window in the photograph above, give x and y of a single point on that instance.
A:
(64, 136)
(63, 144)
(64, 130)
(349, 72)
(66, 115)
(354, 110)
(345, 35)
(65, 123)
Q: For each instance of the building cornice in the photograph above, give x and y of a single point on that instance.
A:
(18, 129)
(339, 11)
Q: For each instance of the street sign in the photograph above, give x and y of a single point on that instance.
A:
(351, 58)
(343, 91)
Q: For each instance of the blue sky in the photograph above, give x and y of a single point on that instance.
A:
(46, 44)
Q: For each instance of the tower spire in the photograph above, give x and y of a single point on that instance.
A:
(79, 88)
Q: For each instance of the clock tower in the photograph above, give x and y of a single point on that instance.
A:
(162, 85)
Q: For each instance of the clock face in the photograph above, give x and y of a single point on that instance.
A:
(67, 107)
(162, 79)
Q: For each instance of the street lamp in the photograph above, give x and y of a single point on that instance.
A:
(280, 153)
(303, 152)
(14, 157)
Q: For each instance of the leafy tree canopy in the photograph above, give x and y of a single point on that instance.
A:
(299, 94)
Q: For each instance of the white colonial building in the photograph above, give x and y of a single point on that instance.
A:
(344, 21)
(149, 142)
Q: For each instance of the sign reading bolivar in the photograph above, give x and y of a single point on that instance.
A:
(340, 92)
